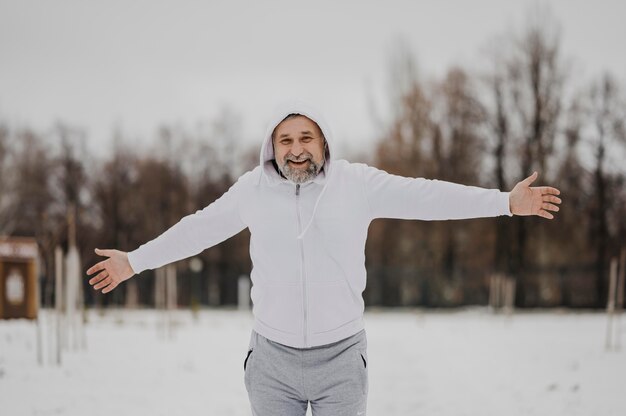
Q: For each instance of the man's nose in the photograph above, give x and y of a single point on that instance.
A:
(297, 149)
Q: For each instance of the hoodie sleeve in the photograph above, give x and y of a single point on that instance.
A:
(392, 196)
(193, 233)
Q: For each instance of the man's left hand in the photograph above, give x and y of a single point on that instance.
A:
(527, 200)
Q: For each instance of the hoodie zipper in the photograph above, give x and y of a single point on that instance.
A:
(302, 269)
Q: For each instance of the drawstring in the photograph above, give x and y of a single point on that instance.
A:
(314, 209)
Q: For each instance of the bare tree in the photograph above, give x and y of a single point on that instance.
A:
(436, 131)
(526, 85)
(499, 121)
(607, 111)
(569, 237)
(457, 149)
(218, 159)
(392, 257)
(8, 207)
(117, 210)
(33, 198)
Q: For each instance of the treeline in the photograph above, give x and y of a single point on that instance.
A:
(123, 200)
(492, 128)
(523, 111)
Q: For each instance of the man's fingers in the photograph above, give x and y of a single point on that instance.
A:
(101, 252)
(545, 214)
(548, 190)
(109, 288)
(530, 179)
(103, 280)
(103, 283)
(551, 198)
(549, 207)
(96, 267)
(103, 274)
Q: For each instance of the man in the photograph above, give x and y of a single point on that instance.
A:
(308, 216)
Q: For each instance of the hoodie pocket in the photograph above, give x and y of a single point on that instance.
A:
(331, 306)
(245, 362)
(279, 307)
(361, 356)
(246, 369)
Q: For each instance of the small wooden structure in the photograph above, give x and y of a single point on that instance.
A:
(18, 278)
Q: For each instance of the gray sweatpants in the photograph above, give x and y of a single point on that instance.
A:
(282, 380)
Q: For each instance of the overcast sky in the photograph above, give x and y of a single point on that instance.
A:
(137, 64)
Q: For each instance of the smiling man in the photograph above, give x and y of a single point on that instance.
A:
(299, 147)
(308, 216)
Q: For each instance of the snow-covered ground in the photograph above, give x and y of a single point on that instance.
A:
(420, 363)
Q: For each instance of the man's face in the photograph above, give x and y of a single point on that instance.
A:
(299, 149)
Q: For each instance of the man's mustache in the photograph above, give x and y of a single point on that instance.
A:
(296, 159)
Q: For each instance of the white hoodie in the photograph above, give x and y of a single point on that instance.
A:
(307, 242)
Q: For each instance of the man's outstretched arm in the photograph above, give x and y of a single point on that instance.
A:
(392, 196)
(191, 235)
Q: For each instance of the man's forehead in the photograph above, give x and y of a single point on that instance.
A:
(297, 118)
(302, 132)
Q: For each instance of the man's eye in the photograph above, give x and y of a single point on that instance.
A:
(307, 139)
(285, 141)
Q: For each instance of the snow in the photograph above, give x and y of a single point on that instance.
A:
(467, 362)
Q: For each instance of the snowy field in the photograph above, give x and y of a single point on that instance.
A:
(420, 363)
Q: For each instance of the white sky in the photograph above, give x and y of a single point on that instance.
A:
(136, 64)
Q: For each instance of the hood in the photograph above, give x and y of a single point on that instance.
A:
(267, 150)
(268, 170)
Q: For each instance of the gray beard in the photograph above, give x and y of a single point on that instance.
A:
(296, 175)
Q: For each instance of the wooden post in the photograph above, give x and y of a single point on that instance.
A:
(132, 294)
(72, 307)
(509, 295)
(58, 294)
(492, 294)
(170, 272)
(610, 305)
(159, 297)
(39, 317)
(619, 304)
(166, 297)
(158, 289)
(213, 284)
(501, 293)
(620, 283)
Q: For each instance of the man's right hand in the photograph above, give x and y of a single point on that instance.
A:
(113, 270)
(534, 200)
